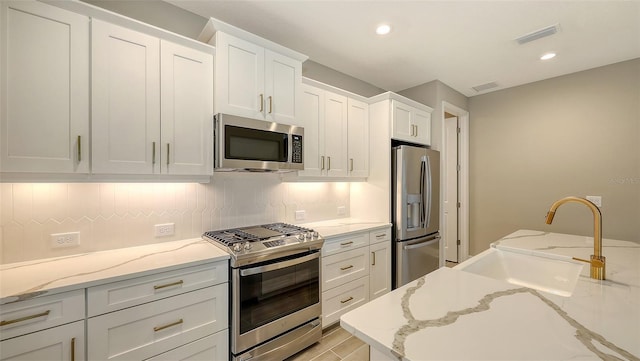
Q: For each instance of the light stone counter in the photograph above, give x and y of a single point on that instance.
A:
(450, 314)
(344, 226)
(24, 280)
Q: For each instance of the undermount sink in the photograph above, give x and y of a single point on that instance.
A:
(551, 275)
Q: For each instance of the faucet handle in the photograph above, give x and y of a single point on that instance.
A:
(595, 262)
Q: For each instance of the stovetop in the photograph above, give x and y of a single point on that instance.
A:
(254, 244)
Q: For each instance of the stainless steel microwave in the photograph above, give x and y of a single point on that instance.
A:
(244, 144)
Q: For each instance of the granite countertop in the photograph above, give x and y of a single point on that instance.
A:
(344, 226)
(24, 280)
(450, 314)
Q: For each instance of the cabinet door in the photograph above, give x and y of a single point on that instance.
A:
(358, 135)
(283, 77)
(125, 100)
(214, 347)
(239, 86)
(422, 130)
(59, 343)
(186, 110)
(401, 122)
(335, 131)
(45, 89)
(380, 269)
(312, 118)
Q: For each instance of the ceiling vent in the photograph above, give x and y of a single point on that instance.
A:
(483, 87)
(548, 31)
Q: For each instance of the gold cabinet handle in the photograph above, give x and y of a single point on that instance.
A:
(25, 318)
(380, 235)
(346, 243)
(153, 153)
(328, 163)
(167, 153)
(416, 130)
(175, 323)
(346, 267)
(373, 258)
(322, 162)
(350, 164)
(73, 349)
(159, 287)
(79, 148)
(270, 104)
(347, 300)
(261, 103)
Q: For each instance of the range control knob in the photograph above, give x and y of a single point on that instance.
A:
(237, 247)
(247, 245)
(308, 236)
(301, 237)
(315, 234)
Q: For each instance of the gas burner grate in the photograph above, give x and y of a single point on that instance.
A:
(230, 237)
(286, 229)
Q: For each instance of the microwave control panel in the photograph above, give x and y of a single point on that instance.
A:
(296, 148)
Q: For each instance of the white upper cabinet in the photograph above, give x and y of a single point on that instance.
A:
(186, 110)
(336, 127)
(358, 134)
(44, 121)
(152, 104)
(410, 124)
(255, 77)
(125, 100)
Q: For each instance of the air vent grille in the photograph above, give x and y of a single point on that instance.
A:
(486, 86)
(544, 32)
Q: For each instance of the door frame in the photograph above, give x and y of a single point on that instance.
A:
(463, 176)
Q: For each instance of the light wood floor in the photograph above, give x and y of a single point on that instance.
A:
(336, 344)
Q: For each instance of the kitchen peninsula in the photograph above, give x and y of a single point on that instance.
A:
(452, 314)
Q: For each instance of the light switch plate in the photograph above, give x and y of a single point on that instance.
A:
(59, 240)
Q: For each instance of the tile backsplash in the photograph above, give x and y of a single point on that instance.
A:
(116, 215)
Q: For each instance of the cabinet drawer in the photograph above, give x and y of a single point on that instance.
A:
(343, 299)
(344, 267)
(147, 330)
(60, 343)
(341, 244)
(214, 347)
(132, 292)
(380, 235)
(40, 313)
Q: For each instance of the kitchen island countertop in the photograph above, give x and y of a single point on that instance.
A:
(450, 314)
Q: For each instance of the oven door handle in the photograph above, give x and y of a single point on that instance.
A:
(279, 265)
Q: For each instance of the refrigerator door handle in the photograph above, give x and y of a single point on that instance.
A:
(422, 190)
(427, 202)
(421, 244)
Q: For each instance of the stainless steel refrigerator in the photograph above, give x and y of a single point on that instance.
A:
(415, 184)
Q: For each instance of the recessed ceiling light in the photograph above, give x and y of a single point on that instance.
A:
(383, 29)
(548, 56)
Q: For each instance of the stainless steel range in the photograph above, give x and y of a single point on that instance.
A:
(275, 289)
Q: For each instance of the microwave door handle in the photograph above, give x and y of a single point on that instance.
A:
(279, 265)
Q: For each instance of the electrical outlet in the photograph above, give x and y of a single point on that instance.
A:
(165, 229)
(342, 210)
(60, 240)
(597, 200)
(301, 215)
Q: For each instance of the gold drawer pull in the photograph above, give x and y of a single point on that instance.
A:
(160, 328)
(373, 257)
(25, 318)
(347, 300)
(346, 243)
(346, 268)
(380, 235)
(157, 287)
(73, 349)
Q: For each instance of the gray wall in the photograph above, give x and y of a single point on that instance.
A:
(577, 134)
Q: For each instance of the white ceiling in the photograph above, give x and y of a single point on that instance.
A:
(461, 43)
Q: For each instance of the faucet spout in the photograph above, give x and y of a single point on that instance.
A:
(597, 259)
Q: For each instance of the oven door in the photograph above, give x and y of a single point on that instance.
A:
(271, 298)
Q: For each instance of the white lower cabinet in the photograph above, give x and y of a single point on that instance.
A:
(170, 316)
(44, 328)
(356, 268)
(62, 343)
(214, 348)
